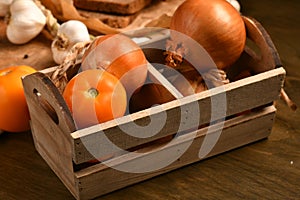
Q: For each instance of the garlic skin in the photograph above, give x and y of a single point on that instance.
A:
(4, 7)
(26, 21)
(69, 33)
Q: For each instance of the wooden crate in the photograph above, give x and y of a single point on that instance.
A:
(67, 150)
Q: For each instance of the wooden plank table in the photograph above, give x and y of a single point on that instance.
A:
(268, 169)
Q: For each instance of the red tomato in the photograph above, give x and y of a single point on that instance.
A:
(95, 96)
(14, 115)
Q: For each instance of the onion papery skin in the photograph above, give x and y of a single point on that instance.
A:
(215, 24)
(120, 56)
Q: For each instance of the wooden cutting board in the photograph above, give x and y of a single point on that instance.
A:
(124, 7)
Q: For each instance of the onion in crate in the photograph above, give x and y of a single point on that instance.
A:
(214, 24)
(120, 56)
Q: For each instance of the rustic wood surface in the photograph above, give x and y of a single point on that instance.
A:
(268, 169)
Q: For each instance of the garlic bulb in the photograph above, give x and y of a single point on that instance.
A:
(4, 7)
(68, 34)
(235, 4)
(25, 23)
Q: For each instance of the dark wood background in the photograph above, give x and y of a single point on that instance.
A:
(268, 169)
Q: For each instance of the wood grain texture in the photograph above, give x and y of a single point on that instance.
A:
(102, 179)
(51, 125)
(26, 54)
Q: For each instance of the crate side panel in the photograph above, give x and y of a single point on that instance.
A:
(235, 97)
(97, 144)
(51, 126)
(99, 179)
(51, 147)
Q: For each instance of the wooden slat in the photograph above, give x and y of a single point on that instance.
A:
(100, 179)
(241, 95)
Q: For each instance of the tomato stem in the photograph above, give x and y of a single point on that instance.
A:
(93, 92)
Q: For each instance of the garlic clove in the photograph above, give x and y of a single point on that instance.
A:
(69, 33)
(25, 23)
(4, 7)
(75, 31)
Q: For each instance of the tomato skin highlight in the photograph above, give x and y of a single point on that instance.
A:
(95, 96)
(14, 114)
